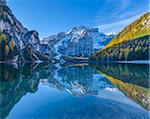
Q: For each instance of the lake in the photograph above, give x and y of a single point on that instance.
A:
(74, 91)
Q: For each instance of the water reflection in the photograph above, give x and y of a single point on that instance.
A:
(77, 80)
(95, 92)
(130, 73)
(131, 79)
(15, 83)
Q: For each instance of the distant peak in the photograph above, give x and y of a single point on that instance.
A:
(111, 33)
(79, 29)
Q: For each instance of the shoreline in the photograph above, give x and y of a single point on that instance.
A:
(82, 61)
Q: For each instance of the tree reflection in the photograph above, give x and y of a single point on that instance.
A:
(131, 79)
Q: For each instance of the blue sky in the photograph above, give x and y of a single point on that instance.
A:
(51, 16)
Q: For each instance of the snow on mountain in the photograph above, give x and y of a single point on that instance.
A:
(27, 44)
(112, 33)
(80, 41)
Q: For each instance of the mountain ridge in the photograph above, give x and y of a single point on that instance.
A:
(80, 41)
(136, 29)
(132, 43)
(26, 43)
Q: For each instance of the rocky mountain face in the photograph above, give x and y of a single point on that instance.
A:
(132, 43)
(80, 41)
(19, 44)
(26, 44)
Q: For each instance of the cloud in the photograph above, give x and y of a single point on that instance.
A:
(117, 14)
(112, 10)
(119, 25)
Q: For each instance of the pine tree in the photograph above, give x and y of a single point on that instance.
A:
(12, 44)
(6, 49)
(2, 37)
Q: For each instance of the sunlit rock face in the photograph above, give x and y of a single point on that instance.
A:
(80, 41)
(32, 38)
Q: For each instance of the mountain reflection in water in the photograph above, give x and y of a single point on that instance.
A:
(110, 91)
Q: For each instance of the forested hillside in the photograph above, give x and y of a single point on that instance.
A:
(137, 49)
(132, 43)
(7, 47)
(137, 29)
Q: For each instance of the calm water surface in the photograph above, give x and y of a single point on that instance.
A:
(74, 91)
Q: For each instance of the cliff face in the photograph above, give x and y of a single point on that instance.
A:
(80, 41)
(16, 42)
(19, 44)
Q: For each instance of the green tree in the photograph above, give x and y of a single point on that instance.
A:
(12, 44)
(2, 38)
(6, 49)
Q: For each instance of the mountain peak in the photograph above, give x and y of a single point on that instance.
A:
(80, 41)
(132, 43)
(79, 29)
(2, 2)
